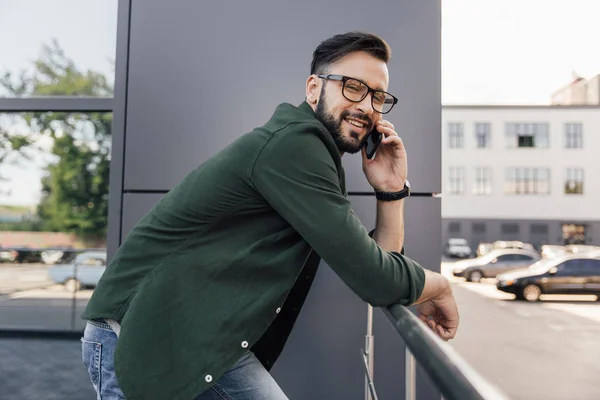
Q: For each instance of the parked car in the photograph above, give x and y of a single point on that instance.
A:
(494, 263)
(457, 247)
(21, 254)
(84, 271)
(581, 248)
(513, 244)
(552, 250)
(8, 255)
(484, 248)
(52, 256)
(567, 274)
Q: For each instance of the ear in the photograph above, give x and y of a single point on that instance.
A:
(313, 89)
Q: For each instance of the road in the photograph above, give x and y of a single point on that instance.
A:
(16, 277)
(548, 350)
(29, 300)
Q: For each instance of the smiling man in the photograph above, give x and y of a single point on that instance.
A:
(200, 298)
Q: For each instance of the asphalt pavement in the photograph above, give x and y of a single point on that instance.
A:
(549, 350)
(17, 277)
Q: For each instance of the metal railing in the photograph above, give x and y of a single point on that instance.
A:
(455, 379)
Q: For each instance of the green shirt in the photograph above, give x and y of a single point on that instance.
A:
(210, 270)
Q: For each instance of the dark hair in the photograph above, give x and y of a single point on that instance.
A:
(338, 46)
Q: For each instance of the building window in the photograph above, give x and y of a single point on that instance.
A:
(574, 181)
(574, 233)
(538, 229)
(483, 181)
(527, 135)
(483, 135)
(573, 136)
(478, 227)
(456, 181)
(527, 181)
(455, 135)
(510, 229)
(454, 227)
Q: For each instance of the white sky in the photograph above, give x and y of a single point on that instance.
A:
(493, 51)
(87, 32)
(516, 51)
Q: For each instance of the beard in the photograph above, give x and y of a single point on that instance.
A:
(345, 144)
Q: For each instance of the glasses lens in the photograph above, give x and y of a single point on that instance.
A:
(354, 90)
(382, 102)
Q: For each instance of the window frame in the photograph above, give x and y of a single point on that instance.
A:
(483, 135)
(456, 137)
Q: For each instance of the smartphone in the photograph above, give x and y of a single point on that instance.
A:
(372, 142)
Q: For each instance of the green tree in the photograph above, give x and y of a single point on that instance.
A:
(75, 187)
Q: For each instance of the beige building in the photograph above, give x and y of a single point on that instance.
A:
(521, 173)
(580, 91)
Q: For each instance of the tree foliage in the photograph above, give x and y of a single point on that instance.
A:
(75, 146)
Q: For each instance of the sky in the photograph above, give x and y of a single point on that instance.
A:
(90, 41)
(493, 51)
(516, 51)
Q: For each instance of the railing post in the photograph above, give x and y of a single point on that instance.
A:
(369, 351)
(410, 375)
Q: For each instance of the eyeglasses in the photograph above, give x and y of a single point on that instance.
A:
(356, 90)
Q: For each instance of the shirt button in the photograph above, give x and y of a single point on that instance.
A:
(278, 310)
(208, 378)
(244, 344)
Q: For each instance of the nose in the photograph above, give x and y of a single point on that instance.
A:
(365, 106)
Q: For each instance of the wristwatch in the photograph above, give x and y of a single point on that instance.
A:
(393, 196)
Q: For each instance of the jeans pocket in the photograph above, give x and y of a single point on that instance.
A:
(91, 353)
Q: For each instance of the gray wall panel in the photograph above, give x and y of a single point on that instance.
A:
(200, 75)
(322, 358)
(422, 233)
(189, 95)
(135, 207)
(422, 226)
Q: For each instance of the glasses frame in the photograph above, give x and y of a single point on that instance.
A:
(344, 79)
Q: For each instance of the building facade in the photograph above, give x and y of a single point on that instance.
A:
(521, 173)
(579, 91)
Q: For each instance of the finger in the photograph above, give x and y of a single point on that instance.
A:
(431, 324)
(446, 334)
(393, 140)
(387, 123)
(386, 130)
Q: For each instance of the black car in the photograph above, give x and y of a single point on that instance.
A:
(572, 274)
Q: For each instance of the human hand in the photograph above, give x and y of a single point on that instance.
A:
(437, 307)
(386, 171)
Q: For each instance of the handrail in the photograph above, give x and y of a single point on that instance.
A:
(452, 375)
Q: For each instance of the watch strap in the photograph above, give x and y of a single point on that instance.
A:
(393, 196)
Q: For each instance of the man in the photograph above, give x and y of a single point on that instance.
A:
(202, 294)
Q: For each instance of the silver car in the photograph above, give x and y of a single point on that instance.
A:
(494, 263)
(457, 247)
(84, 271)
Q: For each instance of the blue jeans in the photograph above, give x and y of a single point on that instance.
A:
(246, 380)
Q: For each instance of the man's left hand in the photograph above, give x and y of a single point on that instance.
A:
(388, 169)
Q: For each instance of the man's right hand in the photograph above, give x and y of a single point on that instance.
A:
(436, 306)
